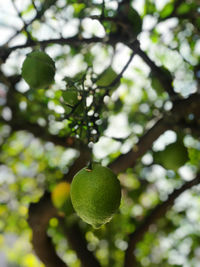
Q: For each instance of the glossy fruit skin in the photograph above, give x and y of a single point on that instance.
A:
(95, 194)
(38, 70)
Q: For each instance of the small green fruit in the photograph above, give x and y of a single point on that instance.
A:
(173, 156)
(95, 194)
(38, 70)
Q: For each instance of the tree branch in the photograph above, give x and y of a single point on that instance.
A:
(39, 14)
(120, 75)
(79, 163)
(40, 132)
(129, 160)
(75, 40)
(162, 75)
(41, 212)
(79, 244)
(182, 108)
(39, 216)
(159, 211)
(17, 123)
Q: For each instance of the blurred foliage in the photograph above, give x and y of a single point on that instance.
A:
(85, 104)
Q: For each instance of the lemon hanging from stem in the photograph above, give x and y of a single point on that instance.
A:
(95, 194)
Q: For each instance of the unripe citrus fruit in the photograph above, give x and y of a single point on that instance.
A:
(173, 156)
(61, 198)
(95, 194)
(38, 70)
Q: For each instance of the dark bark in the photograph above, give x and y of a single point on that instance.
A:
(41, 212)
(129, 160)
(39, 215)
(164, 77)
(182, 108)
(78, 242)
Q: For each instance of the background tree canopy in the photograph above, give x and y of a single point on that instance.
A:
(126, 94)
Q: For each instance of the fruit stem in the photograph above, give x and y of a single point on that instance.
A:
(90, 165)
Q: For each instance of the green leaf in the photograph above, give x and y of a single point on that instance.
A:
(118, 105)
(70, 97)
(69, 81)
(135, 20)
(155, 36)
(184, 8)
(79, 111)
(194, 155)
(149, 7)
(78, 7)
(27, 10)
(156, 85)
(167, 10)
(107, 77)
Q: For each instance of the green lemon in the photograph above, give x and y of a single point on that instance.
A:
(61, 198)
(95, 194)
(38, 70)
(173, 156)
